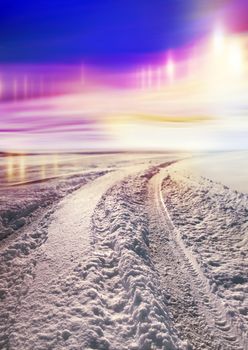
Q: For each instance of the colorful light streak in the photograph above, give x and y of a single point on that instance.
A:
(10, 168)
(218, 40)
(22, 167)
(170, 69)
(195, 86)
(236, 58)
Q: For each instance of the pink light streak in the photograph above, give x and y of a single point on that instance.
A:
(92, 105)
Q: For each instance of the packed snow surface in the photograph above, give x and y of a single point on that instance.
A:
(227, 168)
(134, 253)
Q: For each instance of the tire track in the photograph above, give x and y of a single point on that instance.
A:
(213, 329)
(130, 289)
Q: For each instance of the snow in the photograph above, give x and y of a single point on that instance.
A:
(138, 254)
(212, 222)
(228, 168)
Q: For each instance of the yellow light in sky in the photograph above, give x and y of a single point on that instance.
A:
(170, 69)
(235, 57)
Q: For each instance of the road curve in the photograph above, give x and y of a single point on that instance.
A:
(113, 273)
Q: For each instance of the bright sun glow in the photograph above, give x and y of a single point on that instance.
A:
(22, 167)
(10, 168)
(235, 57)
(170, 69)
(218, 40)
(193, 86)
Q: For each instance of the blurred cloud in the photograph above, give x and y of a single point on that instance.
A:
(193, 96)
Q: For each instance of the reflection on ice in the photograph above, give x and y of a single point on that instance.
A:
(27, 168)
(22, 168)
(10, 168)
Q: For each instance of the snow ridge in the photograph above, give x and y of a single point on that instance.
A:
(121, 268)
(210, 224)
(106, 297)
(17, 256)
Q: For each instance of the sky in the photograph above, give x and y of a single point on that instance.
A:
(123, 74)
(107, 32)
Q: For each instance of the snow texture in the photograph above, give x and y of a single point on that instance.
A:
(19, 204)
(211, 221)
(142, 257)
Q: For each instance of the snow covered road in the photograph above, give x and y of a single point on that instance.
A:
(123, 266)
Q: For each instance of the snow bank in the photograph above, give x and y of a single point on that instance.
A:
(107, 298)
(133, 314)
(212, 221)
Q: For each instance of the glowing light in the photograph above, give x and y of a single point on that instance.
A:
(191, 67)
(22, 168)
(55, 165)
(188, 82)
(143, 79)
(10, 168)
(159, 78)
(170, 69)
(235, 58)
(43, 168)
(218, 40)
(149, 77)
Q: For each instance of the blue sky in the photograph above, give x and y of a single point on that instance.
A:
(105, 31)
